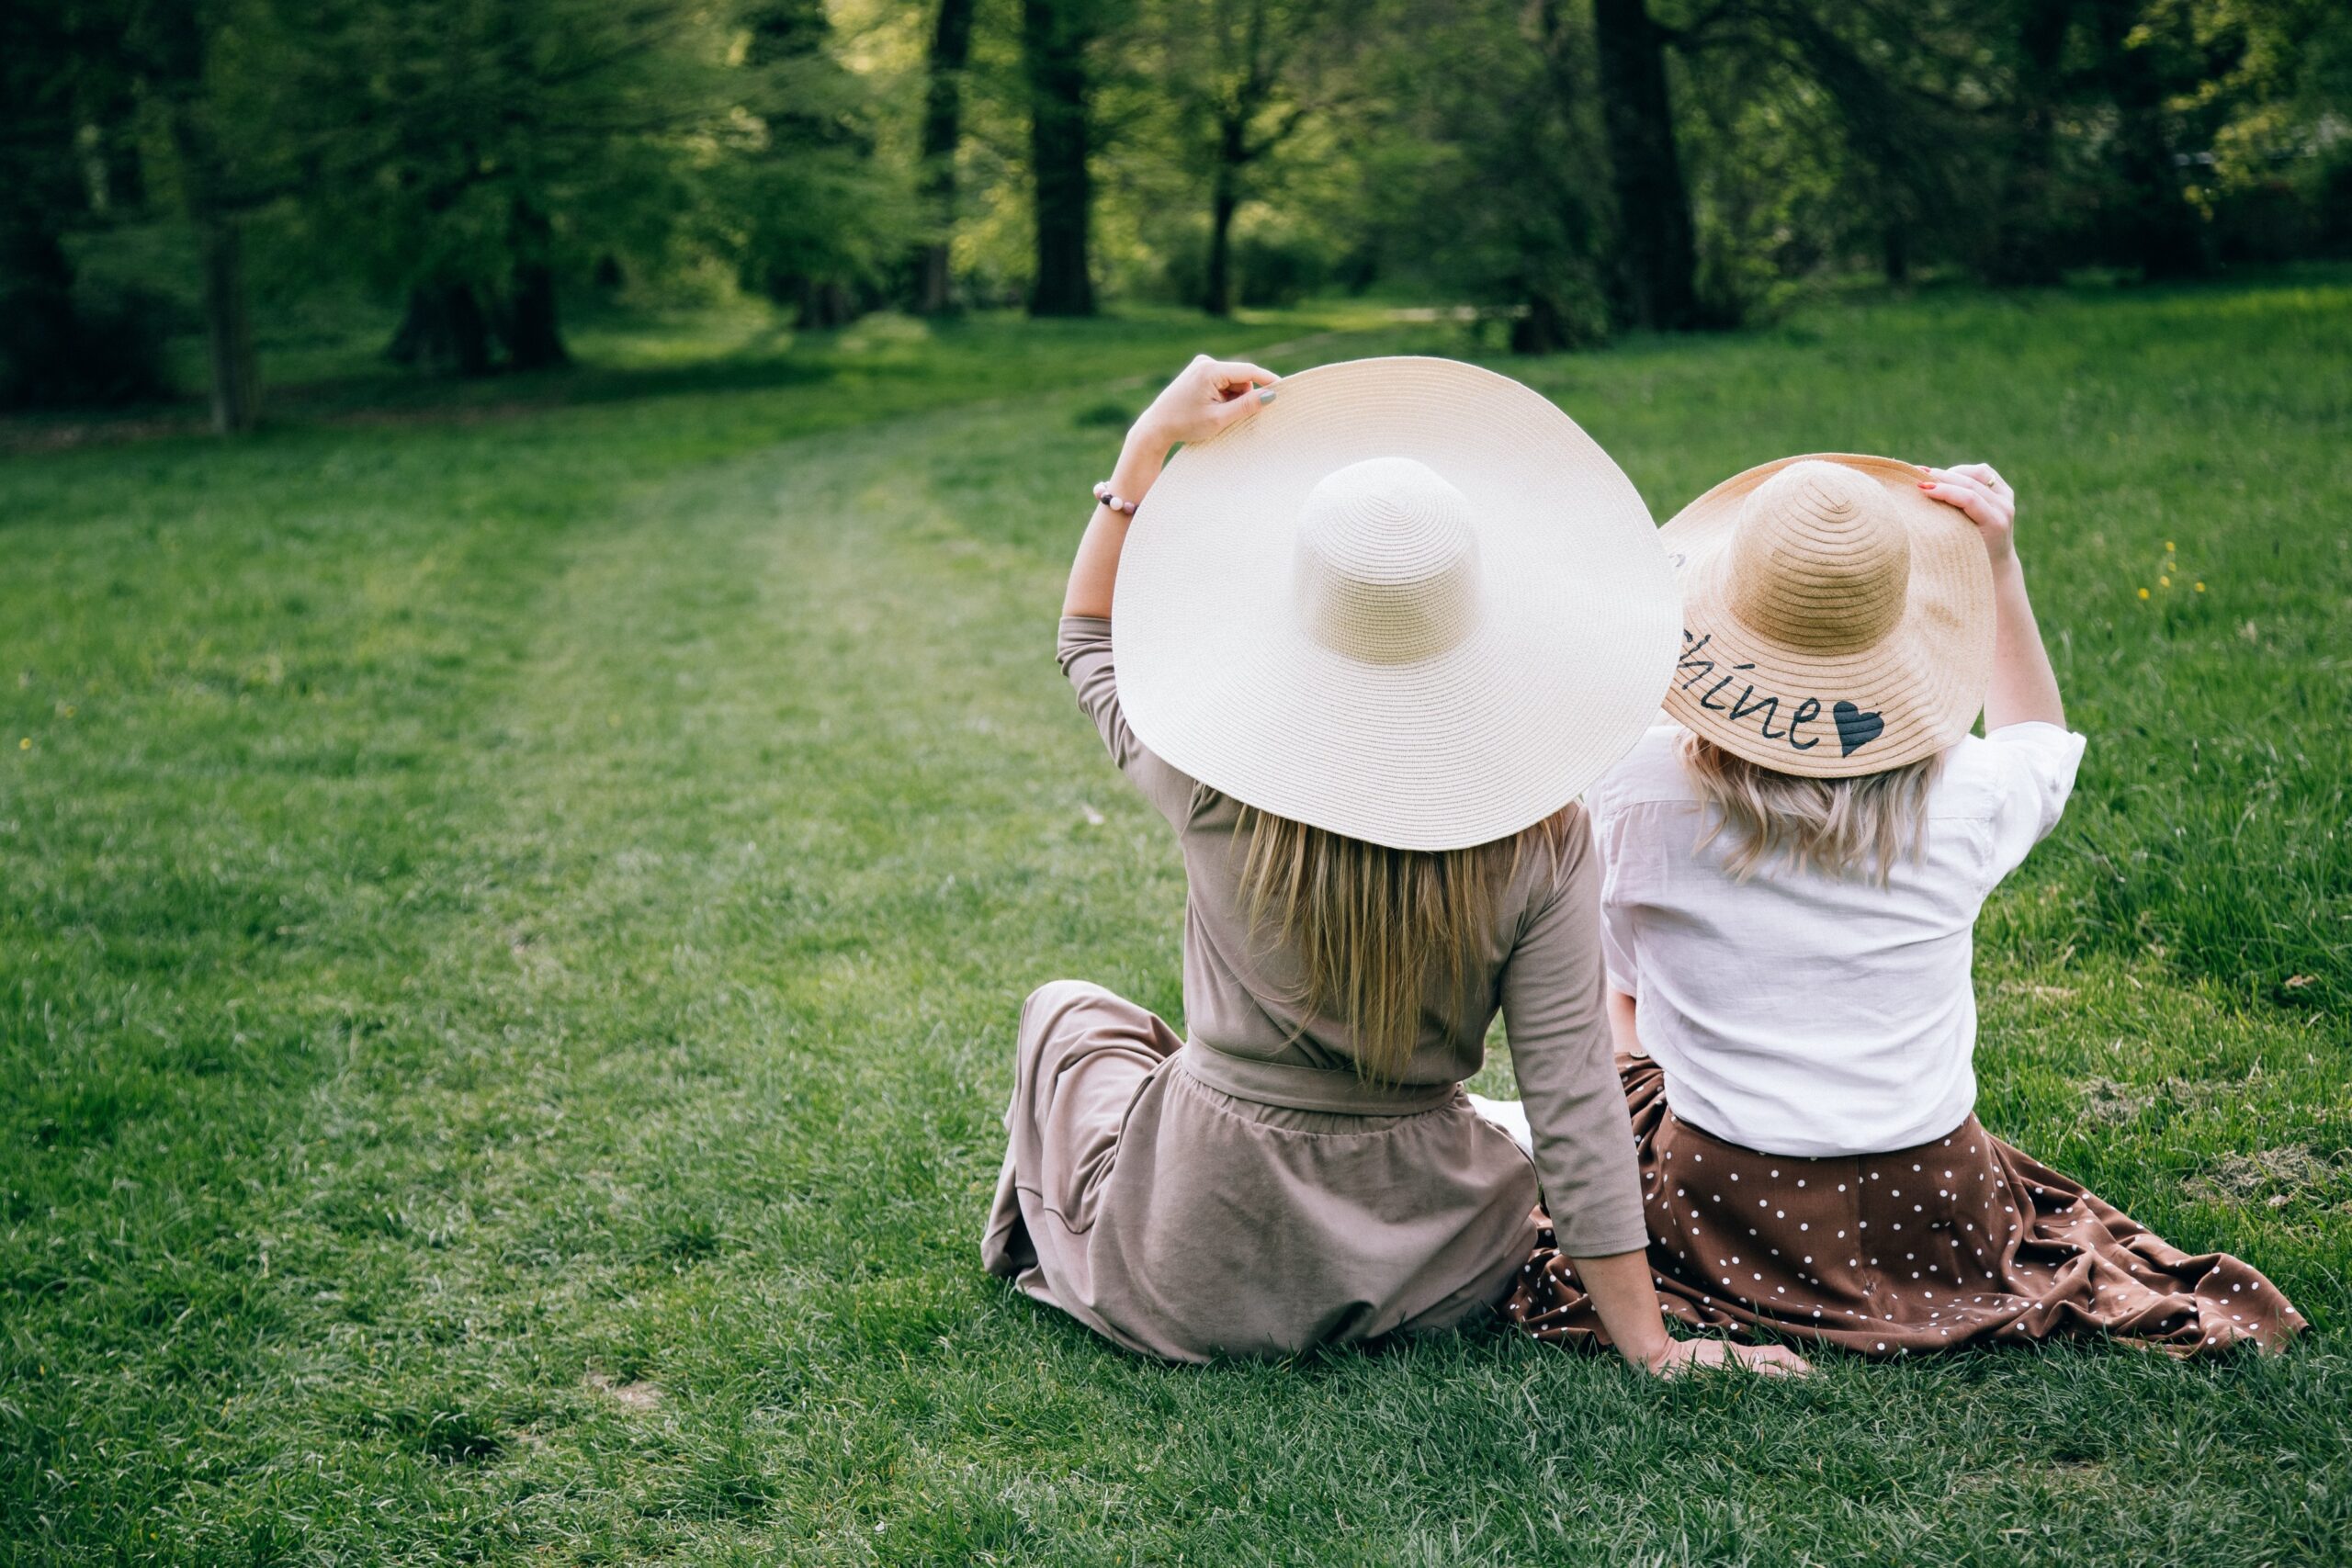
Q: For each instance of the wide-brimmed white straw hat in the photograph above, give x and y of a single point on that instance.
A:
(1409, 602)
(1837, 621)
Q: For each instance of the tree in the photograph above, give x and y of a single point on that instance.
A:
(467, 158)
(1881, 77)
(43, 333)
(534, 340)
(821, 226)
(2152, 218)
(1054, 38)
(175, 47)
(1244, 75)
(2280, 181)
(2027, 215)
(1824, 134)
(1476, 127)
(942, 115)
(1657, 266)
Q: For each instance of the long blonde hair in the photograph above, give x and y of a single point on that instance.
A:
(1373, 929)
(1858, 827)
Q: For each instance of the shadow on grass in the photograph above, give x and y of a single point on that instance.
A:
(393, 398)
(884, 356)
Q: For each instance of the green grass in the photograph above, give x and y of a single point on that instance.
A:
(511, 921)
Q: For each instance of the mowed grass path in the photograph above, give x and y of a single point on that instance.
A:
(510, 935)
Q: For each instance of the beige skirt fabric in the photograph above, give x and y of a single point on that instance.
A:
(1960, 1241)
(1185, 1222)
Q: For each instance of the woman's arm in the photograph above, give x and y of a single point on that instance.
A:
(1206, 396)
(1621, 1293)
(1557, 1009)
(1620, 1288)
(2024, 689)
(1622, 1026)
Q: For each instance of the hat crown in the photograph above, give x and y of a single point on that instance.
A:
(1819, 560)
(1386, 563)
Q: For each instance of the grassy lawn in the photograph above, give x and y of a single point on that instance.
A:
(512, 917)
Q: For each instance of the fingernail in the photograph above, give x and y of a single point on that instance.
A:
(1267, 396)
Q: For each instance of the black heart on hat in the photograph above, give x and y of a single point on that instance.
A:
(1856, 728)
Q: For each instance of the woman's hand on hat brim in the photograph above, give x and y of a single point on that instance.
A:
(1206, 396)
(1984, 497)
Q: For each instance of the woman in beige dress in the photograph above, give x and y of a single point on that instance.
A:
(1351, 620)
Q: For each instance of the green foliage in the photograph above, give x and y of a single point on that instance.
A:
(2281, 162)
(489, 168)
(67, 116)
(1489, 187)
(512, 920)
(1237, 88)
(1276, 261)
(450, 145)
(802, 201)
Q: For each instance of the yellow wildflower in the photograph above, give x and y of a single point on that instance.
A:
(26, 744)
(2163, 582)
(2167, 546)
(2200, 588)
(2144, 593)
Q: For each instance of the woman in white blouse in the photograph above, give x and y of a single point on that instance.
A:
(1791, 875)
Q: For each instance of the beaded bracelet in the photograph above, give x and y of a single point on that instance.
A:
(1102, 494)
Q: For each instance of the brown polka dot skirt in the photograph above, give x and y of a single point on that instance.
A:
(1960, 1241)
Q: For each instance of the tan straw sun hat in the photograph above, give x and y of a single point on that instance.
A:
(1409, 602)
(1837, 621)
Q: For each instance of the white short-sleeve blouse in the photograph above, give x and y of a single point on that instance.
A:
(1798, 1013)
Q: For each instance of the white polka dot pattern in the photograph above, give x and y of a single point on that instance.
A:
(2047, 1258)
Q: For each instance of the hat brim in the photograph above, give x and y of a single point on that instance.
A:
(1572, 646)
(1902, 700)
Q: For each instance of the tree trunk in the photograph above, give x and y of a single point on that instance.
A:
(220, 256)
(468, 329)
(1657, 257)
(825, 304)
(2024, 251)
(443, 329)
(943, 126)
(534, 340)
(1225, 197)
(228, 326)
(1541, 329)
(37, 325)
(1053, 43)
(935, 279)
(2158, 229)
(170, 41)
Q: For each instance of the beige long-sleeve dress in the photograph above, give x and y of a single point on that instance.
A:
(1246, 1191)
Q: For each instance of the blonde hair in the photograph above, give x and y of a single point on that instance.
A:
(1840, 826)
(1375, 929)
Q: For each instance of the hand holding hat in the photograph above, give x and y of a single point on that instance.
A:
(1204, 398)
(1984, 498)
(1410, 603)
